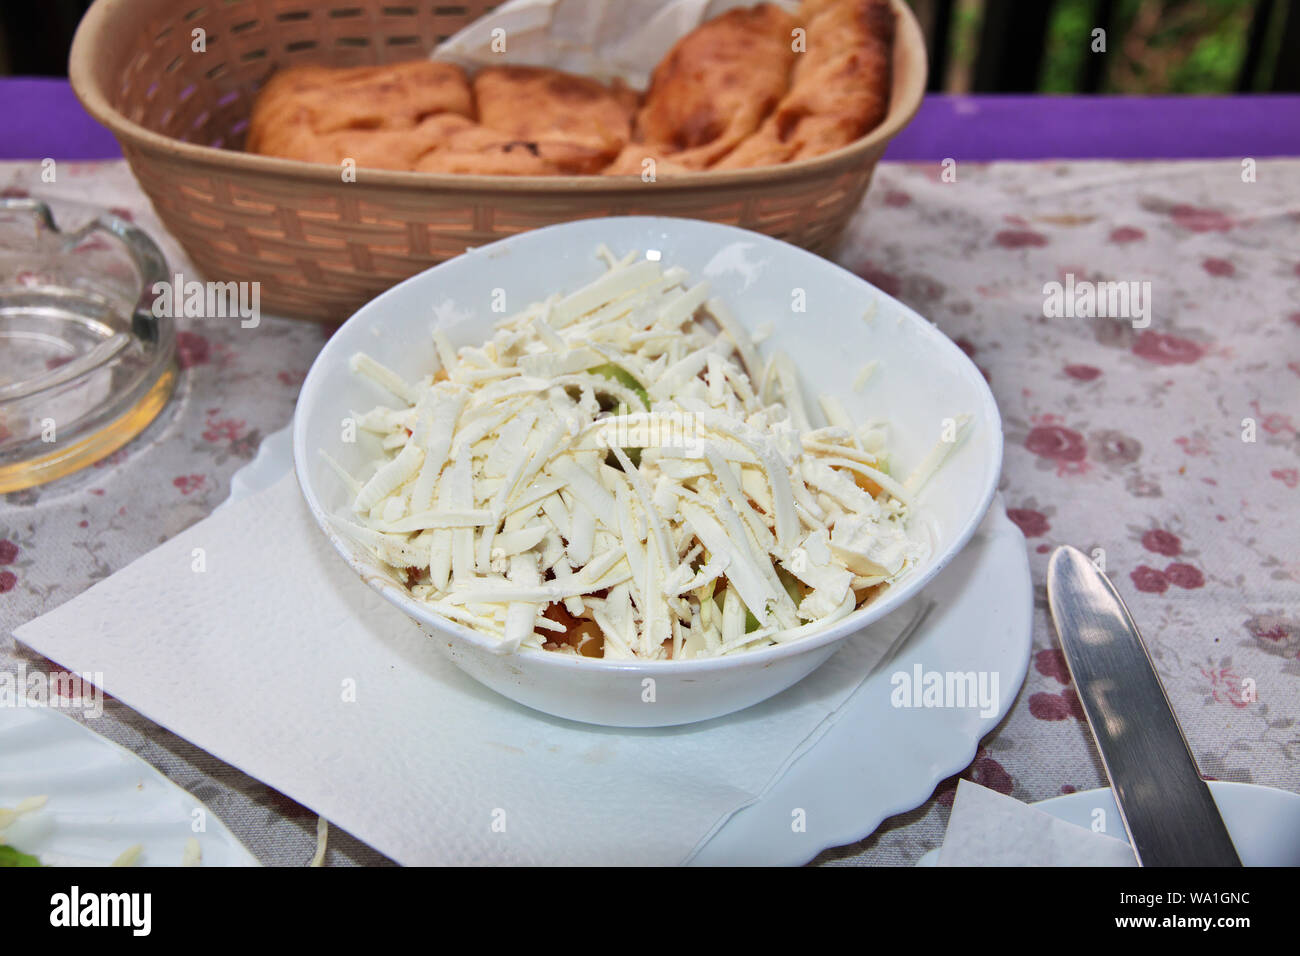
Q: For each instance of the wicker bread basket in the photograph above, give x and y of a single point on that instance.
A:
(321, 247)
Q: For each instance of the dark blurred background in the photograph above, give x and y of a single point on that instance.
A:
(980, 46)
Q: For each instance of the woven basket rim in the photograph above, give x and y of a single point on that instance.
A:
(905, 101)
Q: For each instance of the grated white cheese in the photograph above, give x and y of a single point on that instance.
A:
(622, 456)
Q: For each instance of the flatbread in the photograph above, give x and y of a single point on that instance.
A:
(716, 84)
(320, 114)
(632, 162)
(566, 115)
(839, 88)
(396, 149)
(736, 92)
(473, 149)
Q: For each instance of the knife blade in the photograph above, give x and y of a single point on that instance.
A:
(1167, 809)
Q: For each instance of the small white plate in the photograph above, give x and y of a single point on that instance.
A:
(102, 799)
(1264, 822)
(874, 760)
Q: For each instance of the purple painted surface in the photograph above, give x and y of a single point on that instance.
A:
(977, 128)
(43, 118)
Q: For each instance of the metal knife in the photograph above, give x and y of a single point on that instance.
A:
(1167, 809)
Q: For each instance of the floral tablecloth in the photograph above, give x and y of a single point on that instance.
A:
(1166, 443)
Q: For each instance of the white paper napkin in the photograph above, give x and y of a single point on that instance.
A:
(987, 828)
(276, 658)
(602, 38)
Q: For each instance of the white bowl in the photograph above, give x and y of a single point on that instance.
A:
(922, 379)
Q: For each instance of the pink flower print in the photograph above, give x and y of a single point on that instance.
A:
(1200, 220)
(1149, 580)
(1219, 267)
(1195, 445)
(1185, 576)
(984, 770)
(116, 458)
(886, 282)
(1226, 687)
(188, 483)
(1060, 706)
(987, 772)
(1019, 238)
(1162, 542)
(1164, 349)
(1057, 443)
(1276, 634)
(1084, 373)
(1288, 476)
(1051, 663)
(1275, 423)
(1032, 524)
(191, 349)
(8, 551)
(223, 429)
(1112, 447)
(7, 581)
(1127, 234)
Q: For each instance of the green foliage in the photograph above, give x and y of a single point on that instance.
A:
(1180, 46)
(1152, 46)
(1069, 44)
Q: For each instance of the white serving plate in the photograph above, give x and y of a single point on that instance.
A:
(877, 760)
(873, 761)
(1264, 822)
(103, 799)
(923, 381)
